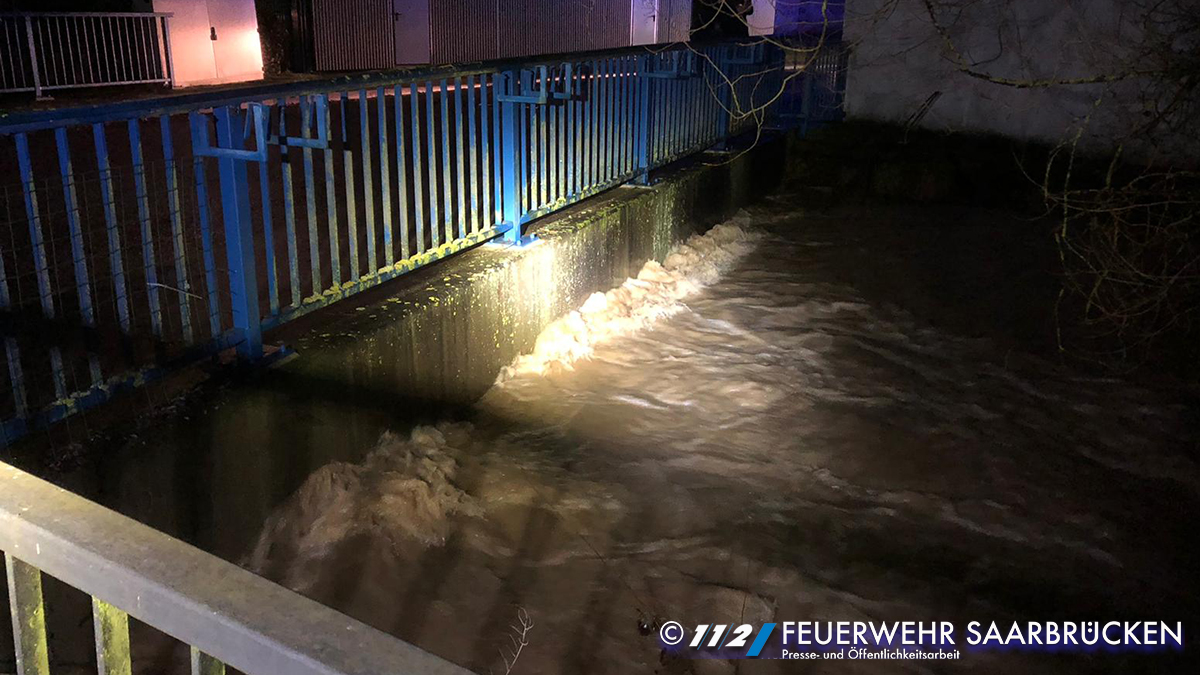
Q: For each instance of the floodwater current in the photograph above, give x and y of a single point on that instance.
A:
(769, 427)
(849, 414)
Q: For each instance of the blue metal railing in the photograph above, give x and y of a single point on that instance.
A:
(145, 234)
(815, 85)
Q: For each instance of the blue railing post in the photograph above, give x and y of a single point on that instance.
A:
(510, 152)
(645, 91)
(239, 234)
(806, 97)
(724, 97)
(780, 70)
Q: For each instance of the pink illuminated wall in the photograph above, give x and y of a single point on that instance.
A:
(236, 54)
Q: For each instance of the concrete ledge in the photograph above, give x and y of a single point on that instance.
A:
(442, 335)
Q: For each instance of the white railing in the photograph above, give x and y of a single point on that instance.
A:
(226, 614)
(45, 51)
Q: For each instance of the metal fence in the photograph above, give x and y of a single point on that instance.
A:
(815, 89)
(146, 234)
(225, 614)
(45, 51)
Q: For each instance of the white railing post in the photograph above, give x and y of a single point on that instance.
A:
(33, 59)
(169, 64)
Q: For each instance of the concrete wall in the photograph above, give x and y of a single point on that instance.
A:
(899, 60)
(492, 303)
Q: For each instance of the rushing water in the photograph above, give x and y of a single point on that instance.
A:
(798, 417)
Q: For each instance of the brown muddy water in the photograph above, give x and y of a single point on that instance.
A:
(848, 414)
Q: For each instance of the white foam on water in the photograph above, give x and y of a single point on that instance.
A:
(654, 293)
(403, 492)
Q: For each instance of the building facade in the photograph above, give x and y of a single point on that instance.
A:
(380, 34)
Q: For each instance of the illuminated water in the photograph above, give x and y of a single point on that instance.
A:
(836, 428)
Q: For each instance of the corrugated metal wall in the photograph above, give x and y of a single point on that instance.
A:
(529, 27)
(605, 23)
(675, 17)
(353, 34)
(463, 30)
(357, 34)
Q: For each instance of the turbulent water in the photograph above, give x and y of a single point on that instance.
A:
(746, 434)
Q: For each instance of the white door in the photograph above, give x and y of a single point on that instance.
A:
(644, 22)
(236, 47)
(191, 48)
(411, 20)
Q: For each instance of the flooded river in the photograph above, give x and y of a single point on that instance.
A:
(800, 416)
(851, 414)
